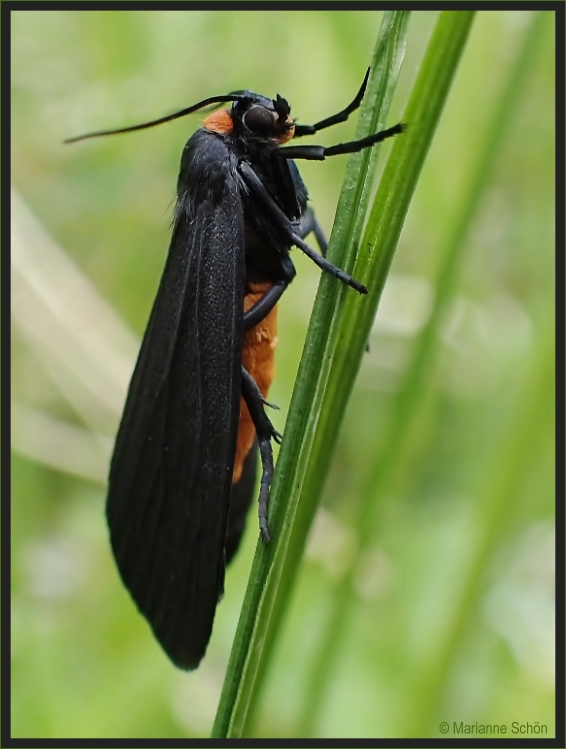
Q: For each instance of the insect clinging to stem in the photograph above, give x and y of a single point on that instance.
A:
(182, 474)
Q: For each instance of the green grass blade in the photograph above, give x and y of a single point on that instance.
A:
(274, 567)
(384, 226)
(319, 425)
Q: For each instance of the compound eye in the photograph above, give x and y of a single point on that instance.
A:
(259, 119)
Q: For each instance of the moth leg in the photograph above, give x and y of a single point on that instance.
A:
(334, 119)
(319, 153)
(289, 231)
(265, 433)
(310, 223)
(263, 307)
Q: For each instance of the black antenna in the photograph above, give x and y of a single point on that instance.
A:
(167, 118)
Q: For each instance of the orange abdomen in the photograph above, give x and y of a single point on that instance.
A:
(258, 358)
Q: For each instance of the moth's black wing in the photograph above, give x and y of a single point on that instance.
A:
(241, 499)
(171, 472)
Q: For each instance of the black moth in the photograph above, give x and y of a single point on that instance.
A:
(182, 474)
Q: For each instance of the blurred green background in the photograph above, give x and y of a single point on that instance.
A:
(452, 617)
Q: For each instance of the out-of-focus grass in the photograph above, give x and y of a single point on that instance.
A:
(84, 663)
(404, 412)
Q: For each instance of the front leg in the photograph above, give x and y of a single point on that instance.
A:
(288, 231)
